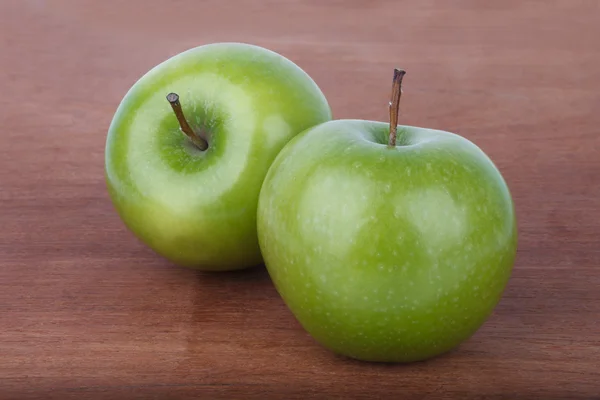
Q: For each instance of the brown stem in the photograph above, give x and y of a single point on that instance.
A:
(173, 99)
(395, 104)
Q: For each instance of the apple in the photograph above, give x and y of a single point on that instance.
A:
(387, 243)
(191, 142)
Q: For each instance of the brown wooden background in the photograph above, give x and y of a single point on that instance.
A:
(86, 311)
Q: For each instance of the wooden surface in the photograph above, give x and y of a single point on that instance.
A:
(86, 311)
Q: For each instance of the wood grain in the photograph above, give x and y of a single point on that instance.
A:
(86, 311)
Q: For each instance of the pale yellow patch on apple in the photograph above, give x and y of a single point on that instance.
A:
(429, 211)
(320, 221)
(177, 191)
(276, 129)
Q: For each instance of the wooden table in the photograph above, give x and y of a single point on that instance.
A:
(86, 311)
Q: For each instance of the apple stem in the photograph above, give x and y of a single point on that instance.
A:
(395, 104)
(173, 99)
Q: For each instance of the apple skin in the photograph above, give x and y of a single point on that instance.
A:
(386, 254)
(198, 208)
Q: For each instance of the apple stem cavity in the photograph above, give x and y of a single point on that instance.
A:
(173, 99)
(395, 105)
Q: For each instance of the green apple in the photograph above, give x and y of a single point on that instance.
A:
(388, 243)
(191, 142)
